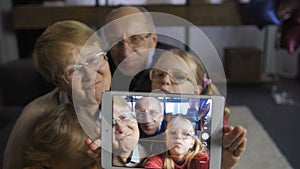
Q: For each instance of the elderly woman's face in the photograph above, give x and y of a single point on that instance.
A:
(86, 74)
(125, 130)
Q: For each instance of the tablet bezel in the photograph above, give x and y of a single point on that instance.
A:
(216, 125)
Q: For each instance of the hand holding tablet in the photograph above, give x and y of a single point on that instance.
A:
(122, 123)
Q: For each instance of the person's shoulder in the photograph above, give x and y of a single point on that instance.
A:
(201, 158)
(43, 103)
(155, 161)
(18, 138)
(142, 151)
(35, 109)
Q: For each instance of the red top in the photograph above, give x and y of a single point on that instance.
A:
(200, 161)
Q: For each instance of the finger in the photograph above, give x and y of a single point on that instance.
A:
(97, 131)
(92, 154)
(88, 141)
(94, 146)
(230, 137)
(98, 142)
(240, 150)
(227, 129)
(237, 142)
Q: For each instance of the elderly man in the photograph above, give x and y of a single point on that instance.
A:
(133, 43)
(151, 123)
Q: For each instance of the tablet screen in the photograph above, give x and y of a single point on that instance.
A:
(144, 127)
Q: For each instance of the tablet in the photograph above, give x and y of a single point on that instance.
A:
(135, 126)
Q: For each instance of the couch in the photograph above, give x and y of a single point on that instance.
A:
(20, 83)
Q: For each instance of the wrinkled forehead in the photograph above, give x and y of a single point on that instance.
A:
(148, 103)
(129, 25)
(90, 49)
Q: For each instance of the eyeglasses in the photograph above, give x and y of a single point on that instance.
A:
(77, 70)
(134, 41)
(177, 77)
(141, 116)
(185, 134)
(124, 118)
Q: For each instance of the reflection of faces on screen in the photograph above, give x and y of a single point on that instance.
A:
(130, 113)
(125, 128)
(149, 114)
(180, 137)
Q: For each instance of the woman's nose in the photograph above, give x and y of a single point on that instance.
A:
(120, 126)
(89, 73)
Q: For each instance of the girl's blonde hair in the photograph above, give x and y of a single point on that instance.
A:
(197, 148)
(199, 72)
(197, 68)
(55, 44)
(56, 136)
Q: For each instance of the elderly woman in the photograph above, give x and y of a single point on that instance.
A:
(60, 57)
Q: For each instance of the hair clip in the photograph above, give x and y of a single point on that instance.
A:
(206, 80)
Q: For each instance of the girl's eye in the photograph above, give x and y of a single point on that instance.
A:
(187, 134)
(173, 132)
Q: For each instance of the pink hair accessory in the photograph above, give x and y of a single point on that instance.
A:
(206, 80)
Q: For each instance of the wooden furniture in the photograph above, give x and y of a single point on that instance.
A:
(39, 17)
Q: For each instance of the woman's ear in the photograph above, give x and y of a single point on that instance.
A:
(198, 89)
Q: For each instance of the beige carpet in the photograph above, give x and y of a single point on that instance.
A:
(261, 152)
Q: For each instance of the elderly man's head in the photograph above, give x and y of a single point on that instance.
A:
(131, 36)
(149, 114)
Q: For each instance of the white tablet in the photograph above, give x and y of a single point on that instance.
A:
(135, 126)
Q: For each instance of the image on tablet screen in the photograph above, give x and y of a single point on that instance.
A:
(146, 126)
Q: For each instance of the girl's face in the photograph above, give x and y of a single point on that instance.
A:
(171, 74)
(180, 138)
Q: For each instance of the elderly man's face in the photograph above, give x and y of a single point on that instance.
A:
(86, 74)
(130, 42)
(149, 115)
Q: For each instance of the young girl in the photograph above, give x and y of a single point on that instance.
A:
(178, 71)
(57, 142)
(184, 149)
(186, 75)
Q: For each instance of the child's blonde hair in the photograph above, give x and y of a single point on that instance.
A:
(199, 73)
(56, 136)
(197, 148)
